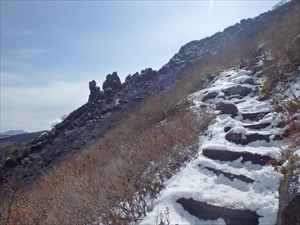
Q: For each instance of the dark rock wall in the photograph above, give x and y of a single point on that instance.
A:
(289, 200)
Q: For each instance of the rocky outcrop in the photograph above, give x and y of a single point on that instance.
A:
(94, 91)
(83, 126)
(290, 211)
(206, 211)
(113, 82)
(289, 197)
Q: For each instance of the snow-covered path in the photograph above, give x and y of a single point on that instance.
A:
(229, 176)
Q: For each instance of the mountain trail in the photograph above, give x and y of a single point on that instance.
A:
(230, 181)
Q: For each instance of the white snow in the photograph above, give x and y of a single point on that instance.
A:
(196, 182)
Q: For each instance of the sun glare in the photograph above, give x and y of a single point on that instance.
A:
(210, 6)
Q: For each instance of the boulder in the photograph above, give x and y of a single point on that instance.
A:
(209, 95)
(227, 128)
(205, 211)
(256, 69)
(248, 81)
(237, 90)
(228, 107)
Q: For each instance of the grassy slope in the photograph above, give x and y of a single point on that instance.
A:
(114, 177)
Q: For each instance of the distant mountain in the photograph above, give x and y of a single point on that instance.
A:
(19, 140)
(13, 132)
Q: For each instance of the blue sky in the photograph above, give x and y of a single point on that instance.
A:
(51, 49)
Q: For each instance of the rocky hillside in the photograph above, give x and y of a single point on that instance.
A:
(108, 107)
(140, 146)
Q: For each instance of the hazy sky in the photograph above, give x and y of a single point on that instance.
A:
(51, 49)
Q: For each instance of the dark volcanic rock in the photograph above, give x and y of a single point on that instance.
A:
(227, 107)
(146, 74)
(290, 213)
(113, 81)
(226, 129)
(239, 138)
(230, 176)
(237, 90)
(209, 95)
(225, 155)
(248, 81)
(289, 197)
(205, 211)
(257, 69)
(234, 137)
(94, 91)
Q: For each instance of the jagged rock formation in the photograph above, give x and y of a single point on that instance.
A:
(84, 125)
(112, 82)
(94, 91)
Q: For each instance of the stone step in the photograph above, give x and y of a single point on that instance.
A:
(250, 126)
(227, 107)
(257, 126)
(205, 211)
(231, 176)
(245, 139)
(237, 90)
(225, 155)
(254, 116)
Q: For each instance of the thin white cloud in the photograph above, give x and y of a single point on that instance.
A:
(29, 52)
(210, 6)
(13, 64)
(19, 33)
(36, 108)
(10, 77)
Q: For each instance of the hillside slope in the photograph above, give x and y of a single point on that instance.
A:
(110, 106)
(128, 150)
(230, 181)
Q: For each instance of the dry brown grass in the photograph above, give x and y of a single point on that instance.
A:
(281, 50)
(113, 180)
